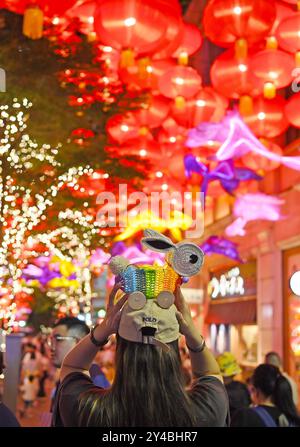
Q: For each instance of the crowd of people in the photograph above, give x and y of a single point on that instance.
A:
(125, 373)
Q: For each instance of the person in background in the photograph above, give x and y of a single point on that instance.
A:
(29, 393)
(66, 333)
(7, 418)
(271, 394)
(238, 393)
(273, 358)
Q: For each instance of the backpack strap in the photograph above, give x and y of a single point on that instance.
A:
(264, 416)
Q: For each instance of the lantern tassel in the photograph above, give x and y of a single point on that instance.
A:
(269, 90)
(33, 22)
(127, 58)
(246, 105)
(241, 49)
(179, 102)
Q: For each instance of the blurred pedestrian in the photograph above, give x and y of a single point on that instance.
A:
(271, 394)
(7, 418)
(238, 393)
(273, 358)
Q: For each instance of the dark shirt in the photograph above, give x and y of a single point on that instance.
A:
(238, 395)
(248, 418)
(208, 396)
(7, 418)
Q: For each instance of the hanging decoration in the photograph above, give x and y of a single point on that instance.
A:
(222, 246)
(252, 207)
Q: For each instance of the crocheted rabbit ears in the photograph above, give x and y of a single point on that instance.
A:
(186, 258)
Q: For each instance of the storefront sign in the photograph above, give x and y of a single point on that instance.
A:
(239, 281)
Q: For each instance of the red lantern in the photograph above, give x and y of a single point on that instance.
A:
(228, 21)
(292, 110)
(122, 128)
(191, 42)
(180, 83)
(50, 8)
(256, 162)
(135, 79)
(274, 68)
(232, 77)
(153, 112)
(268, 119)
(199, 109)
(139, 147)
(132, 26)
(288, 35)
(282, 11)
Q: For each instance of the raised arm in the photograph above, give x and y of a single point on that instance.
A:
(79, 359)
(203, 361)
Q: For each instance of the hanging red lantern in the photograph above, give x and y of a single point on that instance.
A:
(153, 112)
(288, 35)
(256, 163)
(180, 83)
(191, 42)
(132, 26)
(239, 22)
(274, 68)
(148, 79)
(268, 118)
(139, 147)
(232, 77)
(282, 11)
(292, 110)
(198, 109)
(49, 8)
(122, 128)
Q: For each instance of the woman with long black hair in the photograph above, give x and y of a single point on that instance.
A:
(272, 396)
(148, 389)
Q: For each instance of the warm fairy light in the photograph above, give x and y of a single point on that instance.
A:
(130, 21)
(56, 21)
(107, 49)
(164, 187)
(143, 152)
(124, 128)
(159, 174)
(149, 69)
(172, 139)
(261, 116)
(90, 20)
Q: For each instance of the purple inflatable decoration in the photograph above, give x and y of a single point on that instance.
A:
(221, 246)
(236, 140)
(228, 175)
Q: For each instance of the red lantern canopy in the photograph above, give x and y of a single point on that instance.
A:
(198, 109)
(292, 110)
(282, 11)
(268, 119)
(132, 26)
(232, 77)
(180, 83)
(274, 68)
(256, 162)
(244, 21)
(288, 35)
(191, 42)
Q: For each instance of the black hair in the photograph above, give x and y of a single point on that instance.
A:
(269, 380)
(31, 378)
(80, 327)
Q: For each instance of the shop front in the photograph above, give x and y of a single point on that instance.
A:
(291, 314)
(232, 313)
